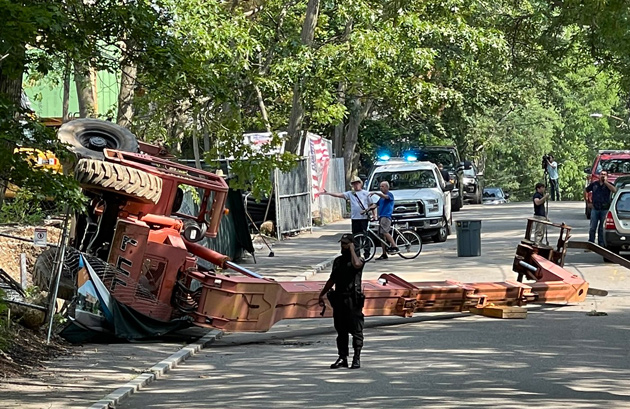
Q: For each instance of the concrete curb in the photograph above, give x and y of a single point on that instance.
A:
(314, 270)
(156, 371)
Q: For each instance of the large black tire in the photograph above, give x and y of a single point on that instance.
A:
(88, 137)
(43, 271)
(99, 175)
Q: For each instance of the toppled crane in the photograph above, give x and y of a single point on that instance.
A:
(141, 249)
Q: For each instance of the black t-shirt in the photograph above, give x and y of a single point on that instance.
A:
(539, 210)
(445, 175)
(601, 195)
(345, 276)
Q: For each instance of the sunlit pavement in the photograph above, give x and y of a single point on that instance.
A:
(556, 357)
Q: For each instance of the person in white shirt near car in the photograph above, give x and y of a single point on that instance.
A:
(359, 202)
(552, 170)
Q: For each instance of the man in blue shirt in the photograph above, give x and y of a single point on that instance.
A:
(601, 190)
(385, 210)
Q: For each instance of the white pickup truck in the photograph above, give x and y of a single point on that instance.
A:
(422, 199)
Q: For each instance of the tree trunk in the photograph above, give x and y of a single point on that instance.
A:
(297, 109)
(65, 115)
(338, 139)
(358, 112)
(125, 95)
(84, 90)
(195, 141)
(263, 109)
(11, 92)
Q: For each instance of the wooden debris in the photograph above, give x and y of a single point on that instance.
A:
(500, 311)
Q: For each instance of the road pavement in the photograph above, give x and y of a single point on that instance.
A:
(558, 356)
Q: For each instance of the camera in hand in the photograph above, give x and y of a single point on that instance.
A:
(544, 162)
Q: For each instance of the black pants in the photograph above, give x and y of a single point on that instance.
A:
(359, 225)
(555, 192)
(348, 321)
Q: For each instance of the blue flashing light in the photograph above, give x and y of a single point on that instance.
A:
(411, 158)
(384, 157)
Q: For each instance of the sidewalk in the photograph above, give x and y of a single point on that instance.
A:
(299, 257)
(96, 370)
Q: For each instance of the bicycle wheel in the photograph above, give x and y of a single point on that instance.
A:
(409, 244)
(364, 246)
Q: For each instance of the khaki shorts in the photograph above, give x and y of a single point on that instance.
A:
(384, 225)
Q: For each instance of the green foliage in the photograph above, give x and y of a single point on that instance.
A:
(19, 168)
(23, 209)
(504, 81)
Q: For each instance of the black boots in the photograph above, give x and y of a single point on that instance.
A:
(340, 362)
(356, 361)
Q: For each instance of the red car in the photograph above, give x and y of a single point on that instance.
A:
(616, 163)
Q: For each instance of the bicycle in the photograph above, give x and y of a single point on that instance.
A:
(408, 242)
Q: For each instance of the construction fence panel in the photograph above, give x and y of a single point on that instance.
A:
(328, 209)
(292, 191)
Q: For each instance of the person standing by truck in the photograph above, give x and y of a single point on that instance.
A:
(359, 201)
(601, 190)
(385, 210)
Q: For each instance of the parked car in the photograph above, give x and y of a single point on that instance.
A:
(494, 196)
(473, 185)
(615, 162)
(422, 198)
(617, 224)
(448, 156)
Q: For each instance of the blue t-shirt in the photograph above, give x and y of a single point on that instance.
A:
(386, 206)
(601, 195)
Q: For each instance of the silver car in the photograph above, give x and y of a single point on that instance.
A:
(494, 196)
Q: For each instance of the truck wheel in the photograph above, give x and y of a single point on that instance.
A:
(587, 212)
(477, 199)
(88, 137)
(456, 207)
(43, 272)
(442, 234)
(100, 175)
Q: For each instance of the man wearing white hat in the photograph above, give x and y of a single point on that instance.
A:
(359, 202)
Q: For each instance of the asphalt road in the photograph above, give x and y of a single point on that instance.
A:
(556, 357)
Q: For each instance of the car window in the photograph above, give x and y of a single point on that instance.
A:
(623, 203)
(470, 172)
(614, 165)
(407, 179)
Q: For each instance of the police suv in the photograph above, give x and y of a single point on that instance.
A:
(422, 198)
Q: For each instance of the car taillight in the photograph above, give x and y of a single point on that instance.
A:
(610, 222)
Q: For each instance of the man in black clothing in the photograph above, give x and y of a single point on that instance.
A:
(445, 175)
(601, 191)
(540, 197)
(346, 301)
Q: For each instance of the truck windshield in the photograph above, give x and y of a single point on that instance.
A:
(407, 179)
(444, 157)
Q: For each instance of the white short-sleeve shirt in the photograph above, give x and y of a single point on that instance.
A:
(355, 207)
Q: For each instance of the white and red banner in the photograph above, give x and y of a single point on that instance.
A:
(320, 159)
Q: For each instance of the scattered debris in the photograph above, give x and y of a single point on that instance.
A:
(501, 311)
(594, 313)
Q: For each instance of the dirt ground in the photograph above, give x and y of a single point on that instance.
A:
(27, 351)
(23, 350)
(10, 249)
